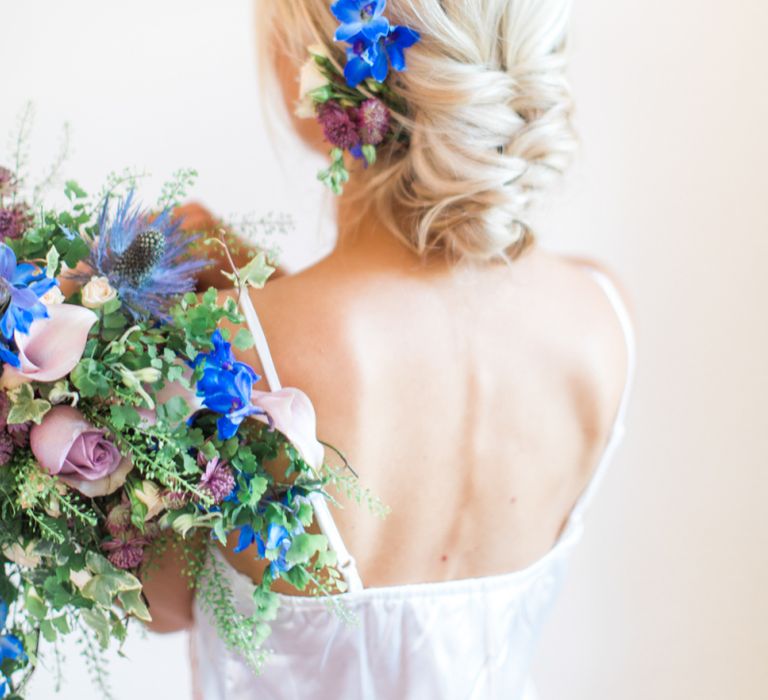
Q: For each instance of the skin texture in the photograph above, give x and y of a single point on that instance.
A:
(474, 401)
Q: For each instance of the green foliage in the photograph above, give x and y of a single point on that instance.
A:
(336, 175)
(25, 407)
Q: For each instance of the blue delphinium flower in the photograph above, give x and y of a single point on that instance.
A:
(365, 60)
(373, 42)
(278, 539)
(11, 647)
(360, 17)
(146, 259)
(395, 43)
(21, 286)
(226, 386)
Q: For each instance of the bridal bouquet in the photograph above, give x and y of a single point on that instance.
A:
(124, 416)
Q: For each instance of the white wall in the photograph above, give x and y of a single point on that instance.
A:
(667, 595)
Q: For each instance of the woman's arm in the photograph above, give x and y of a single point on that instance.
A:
(197, 219)
(168, 584)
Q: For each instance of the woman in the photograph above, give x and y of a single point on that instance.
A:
(477, 382)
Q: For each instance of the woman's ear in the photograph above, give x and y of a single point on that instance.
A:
(287, 74)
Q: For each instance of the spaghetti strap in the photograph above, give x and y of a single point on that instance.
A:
(617, 429)
(346, 562)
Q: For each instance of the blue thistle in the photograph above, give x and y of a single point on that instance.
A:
(146, 259)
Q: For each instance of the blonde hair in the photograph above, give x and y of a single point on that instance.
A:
(488, 116)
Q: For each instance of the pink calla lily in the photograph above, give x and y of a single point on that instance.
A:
(53, 346)
(293, 415)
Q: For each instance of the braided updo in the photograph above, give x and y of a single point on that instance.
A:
(488, 118)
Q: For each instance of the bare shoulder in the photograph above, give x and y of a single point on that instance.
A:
(303, 317)
(603, 338)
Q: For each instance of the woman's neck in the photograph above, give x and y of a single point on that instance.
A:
(366, 240)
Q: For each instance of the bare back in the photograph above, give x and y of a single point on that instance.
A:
(474, 402)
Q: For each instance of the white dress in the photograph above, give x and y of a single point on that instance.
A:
(469, 639)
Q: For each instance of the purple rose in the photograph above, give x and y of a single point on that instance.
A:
(82, 456)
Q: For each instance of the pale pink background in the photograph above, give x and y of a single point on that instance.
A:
(667, 598)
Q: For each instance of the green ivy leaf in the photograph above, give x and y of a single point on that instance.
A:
(25, 407)
(134, 605)
(48, 631)
(34, 604)
(254, 274)
(99, 623)
(304, 547)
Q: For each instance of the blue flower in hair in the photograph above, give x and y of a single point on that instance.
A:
(365, 61)
(396, 42)
(360, 17)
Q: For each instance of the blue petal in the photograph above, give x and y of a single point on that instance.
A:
(227, 428)
(43, 286)
(346, 11)
(246, 539)
(6, 355)
(356, 71)
(276, 534)
(24, 298)
(3, 614)
(7, 262)
(380, 67)
(376, 28)
(11, 647)
(400, 39)
(346, 31)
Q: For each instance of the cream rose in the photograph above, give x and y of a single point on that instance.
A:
(52, 296)
(97, 292)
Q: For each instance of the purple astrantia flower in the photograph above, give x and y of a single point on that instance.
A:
(396, 42)
(373, 120)
(21, 286)
(218, 480)
(11, 647)
(360, 17)
(118, 518)
(365, 60)
(14, 221)
(19, 433)
(126, 550)
(226, 386)
(146, 259)
(338, 125)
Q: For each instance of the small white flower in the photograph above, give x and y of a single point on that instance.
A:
(52, 296)
(311, 78)
(23, 556)
(97, 292)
